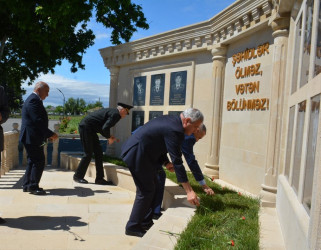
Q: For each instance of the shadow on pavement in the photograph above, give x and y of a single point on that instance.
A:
(76, 191)
(44, 223)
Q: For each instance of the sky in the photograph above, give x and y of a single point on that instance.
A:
(92, 84)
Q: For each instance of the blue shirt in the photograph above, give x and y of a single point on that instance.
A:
(187, 150)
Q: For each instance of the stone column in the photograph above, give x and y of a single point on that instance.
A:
(113, 96)
(214, 132)
(280, 34)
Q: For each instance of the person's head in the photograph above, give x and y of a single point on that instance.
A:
(191, 120)
(178, 80)
(200, 132)
(42, 90)
(157, 82)
(123, 109)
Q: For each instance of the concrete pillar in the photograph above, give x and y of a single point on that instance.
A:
(269, 187)
(113, 99)
(214, 131)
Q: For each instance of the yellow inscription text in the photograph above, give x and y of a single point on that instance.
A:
(251, 87)
(248, 104)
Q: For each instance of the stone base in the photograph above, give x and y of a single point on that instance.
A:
(268, 196)
(212, 171)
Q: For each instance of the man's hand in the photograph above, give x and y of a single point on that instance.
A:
(208, 190)
(170, 167)
(112, 139)
(191, 196)
(53, 137)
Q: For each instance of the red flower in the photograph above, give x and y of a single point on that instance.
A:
(239, 193)
(212, 178)
(232, 243)
(243, 217)
(75, 131)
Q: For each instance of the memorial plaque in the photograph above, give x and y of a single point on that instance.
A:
(157, 90)
(174, 112)
(139, 91)
(137, 119)
(177, 93)
(155, 114)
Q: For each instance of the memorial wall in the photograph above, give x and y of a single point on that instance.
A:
(254, 72)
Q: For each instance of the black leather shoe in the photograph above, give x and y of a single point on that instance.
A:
(27, 189)
(103, 182)
(156, 216)
(147, 226)
(82, 181)
(135, 233)
(38, 191)
(2, 221)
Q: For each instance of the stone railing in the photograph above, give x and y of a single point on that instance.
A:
(10, 154)
(14, 154)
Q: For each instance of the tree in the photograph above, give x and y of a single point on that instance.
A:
(94, 105)
(36, 35)
(75, 106)
(59, 110)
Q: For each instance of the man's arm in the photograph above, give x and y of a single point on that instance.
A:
(187, 150)
(173, 144)
(110, 122)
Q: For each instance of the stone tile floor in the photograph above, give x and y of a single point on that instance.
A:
(70, 216)
(78, 216)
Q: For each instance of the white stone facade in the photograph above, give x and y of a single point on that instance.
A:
(241, 68)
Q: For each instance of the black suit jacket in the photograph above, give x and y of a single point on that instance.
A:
(148, 147)
(101, 121)
(4, 110)
(34, 127)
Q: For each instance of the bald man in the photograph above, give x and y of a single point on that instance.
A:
(34, 133)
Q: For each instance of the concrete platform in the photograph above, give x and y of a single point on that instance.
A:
(89, 216)
(71, 216)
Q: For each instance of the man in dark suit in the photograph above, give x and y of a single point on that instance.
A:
(145, 150)
(157, 88)
(4, 115)
(188, 152)
(34, 133)
(99, 121)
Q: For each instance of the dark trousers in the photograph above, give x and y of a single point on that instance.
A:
(161, 179)
(142, 212)
(91, 145)
(35, 166)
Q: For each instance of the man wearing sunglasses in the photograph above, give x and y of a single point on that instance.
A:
(99, 121)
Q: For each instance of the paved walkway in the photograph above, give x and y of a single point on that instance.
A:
(71, 216)
(74, 216)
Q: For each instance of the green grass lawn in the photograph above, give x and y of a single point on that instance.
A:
(221, 220)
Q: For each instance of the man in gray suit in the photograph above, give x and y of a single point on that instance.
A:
(4, 115)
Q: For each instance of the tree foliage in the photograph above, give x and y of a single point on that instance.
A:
(37, 35)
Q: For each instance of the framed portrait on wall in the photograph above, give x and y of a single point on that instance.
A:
(139, 91)
(177, 93)
(157, 90)
(174, 112)
(137, 119)
(155, 114)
